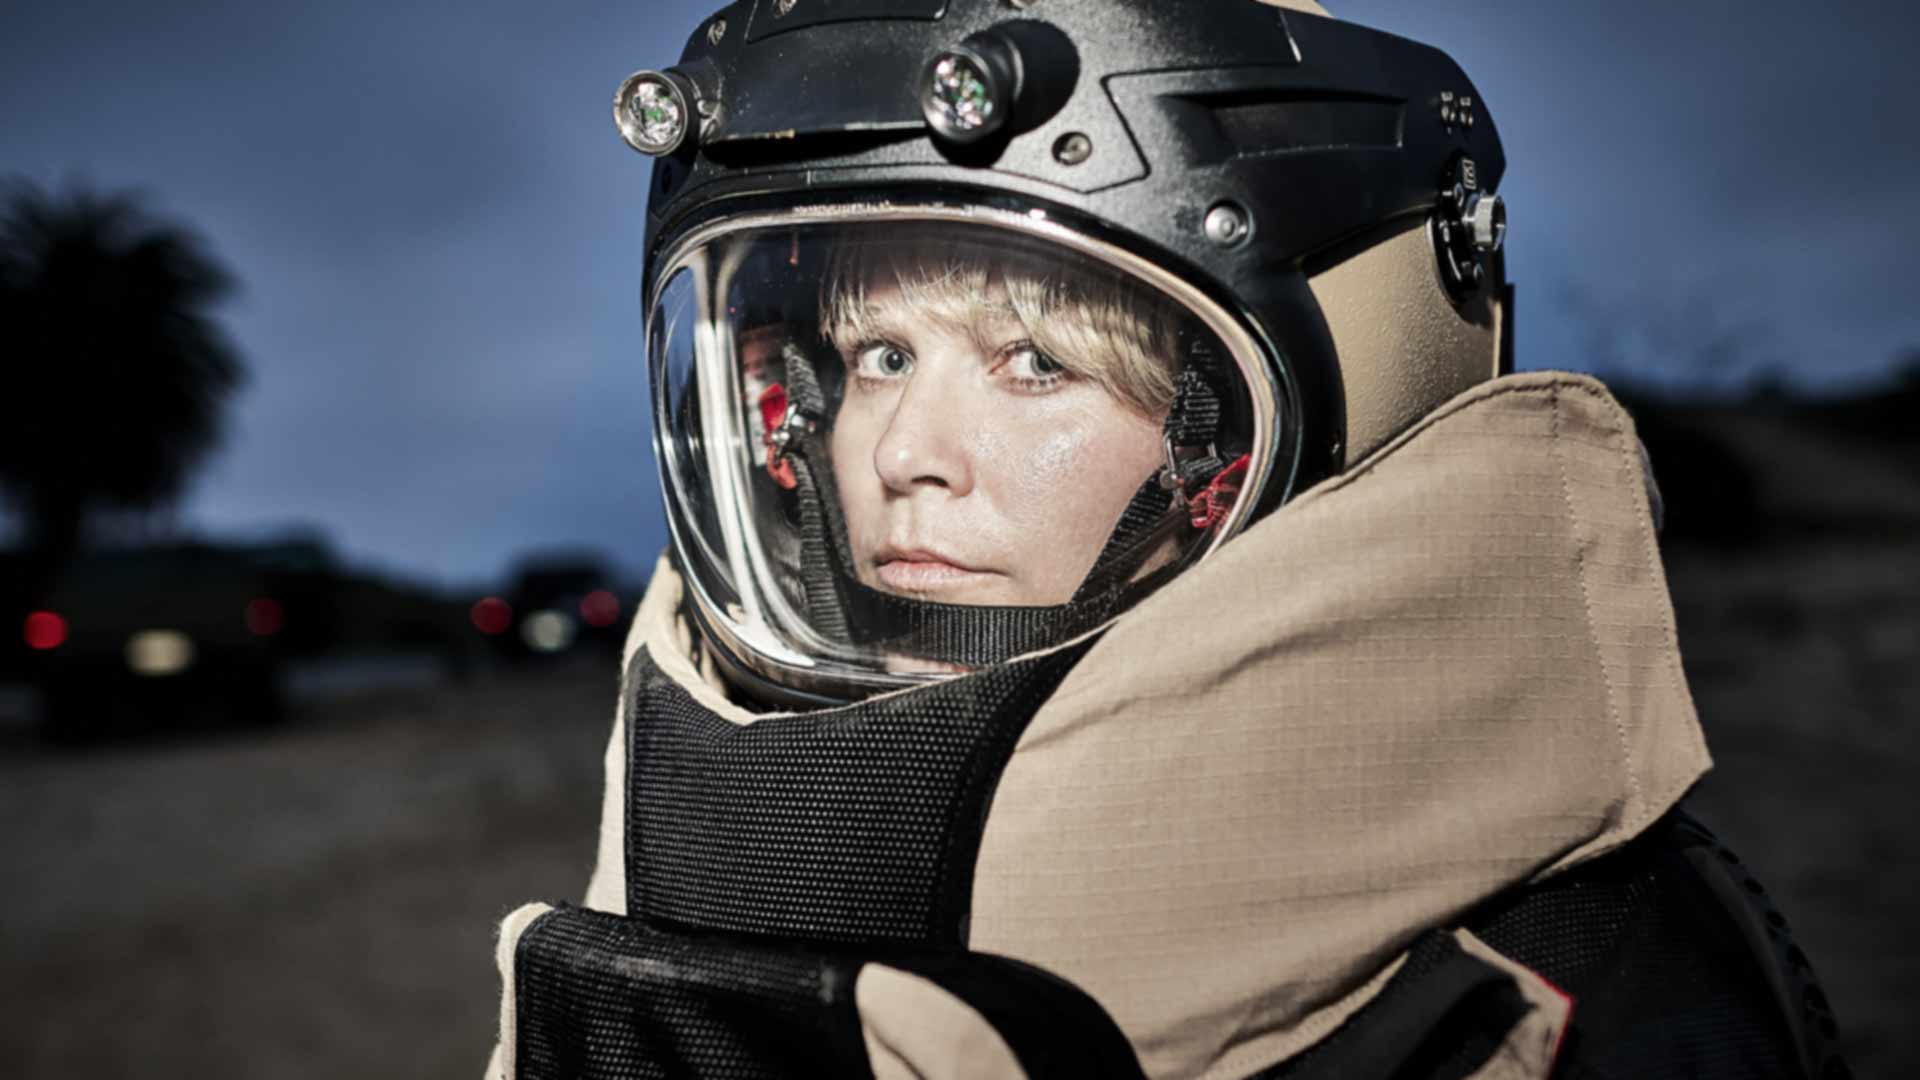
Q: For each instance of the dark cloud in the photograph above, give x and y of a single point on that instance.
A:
(439, 234)
(1733, 163)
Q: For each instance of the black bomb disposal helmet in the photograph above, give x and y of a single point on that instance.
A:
(972, 322)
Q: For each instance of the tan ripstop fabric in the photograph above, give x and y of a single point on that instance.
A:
(1450, 670)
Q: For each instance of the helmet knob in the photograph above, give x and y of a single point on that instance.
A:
(1468, 225)
(1486, 219)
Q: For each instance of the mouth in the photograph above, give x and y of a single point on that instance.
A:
(919, 570)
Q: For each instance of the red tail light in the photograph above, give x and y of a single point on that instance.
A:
(44, 630)
(265, 616)
(491, 615)
(600, 608)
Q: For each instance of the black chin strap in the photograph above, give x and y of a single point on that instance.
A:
(844, 608)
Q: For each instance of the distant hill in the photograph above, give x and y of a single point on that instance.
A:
(1773, 468)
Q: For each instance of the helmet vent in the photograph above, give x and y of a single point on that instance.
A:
(1247, 125)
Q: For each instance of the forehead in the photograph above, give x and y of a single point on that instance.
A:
(886, 299)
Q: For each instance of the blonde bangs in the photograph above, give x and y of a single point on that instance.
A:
(1099, 325)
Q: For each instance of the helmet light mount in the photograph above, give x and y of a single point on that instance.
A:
(968, 91)
(655, 111)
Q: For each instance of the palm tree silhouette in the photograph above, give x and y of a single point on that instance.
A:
(115, 372)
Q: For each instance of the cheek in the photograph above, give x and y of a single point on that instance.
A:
(1068, 477)
(851, 446)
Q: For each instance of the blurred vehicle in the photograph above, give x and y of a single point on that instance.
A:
(194, 634)
(557, 604)
(141, 637)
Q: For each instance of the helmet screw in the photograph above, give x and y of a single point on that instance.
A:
(1072, 148)
(654, 111)
(782, 8)
(716, 30)
(1227, 224)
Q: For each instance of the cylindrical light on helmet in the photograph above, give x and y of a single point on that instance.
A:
(654, 111)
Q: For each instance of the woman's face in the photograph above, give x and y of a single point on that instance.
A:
(974, 469)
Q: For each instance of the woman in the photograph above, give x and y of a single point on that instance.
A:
(1121, 615)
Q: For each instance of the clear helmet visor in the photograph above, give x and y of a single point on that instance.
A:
(894, 450)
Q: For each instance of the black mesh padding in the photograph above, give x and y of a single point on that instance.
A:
(856, 824)
(1676, 964)
(599, 997)
(605, 997)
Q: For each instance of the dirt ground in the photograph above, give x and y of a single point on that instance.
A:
(318, 901)
(1806, 673)
(313, 902)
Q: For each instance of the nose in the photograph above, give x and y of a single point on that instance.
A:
(926, 442)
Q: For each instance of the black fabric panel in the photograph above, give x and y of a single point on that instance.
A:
(856, 824)
(1440, 1017)
(1667, 978)
(1676, 963)
(600, 997)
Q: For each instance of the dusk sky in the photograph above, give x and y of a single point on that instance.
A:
(438, 232)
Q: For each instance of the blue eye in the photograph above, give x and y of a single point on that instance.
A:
(1027, 362)
(882, 361)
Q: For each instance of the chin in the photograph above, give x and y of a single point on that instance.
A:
(904, 664)
(982, 595)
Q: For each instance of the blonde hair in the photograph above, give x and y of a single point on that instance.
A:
(1099, 325)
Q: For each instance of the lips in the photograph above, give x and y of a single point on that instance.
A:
(924, 570)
